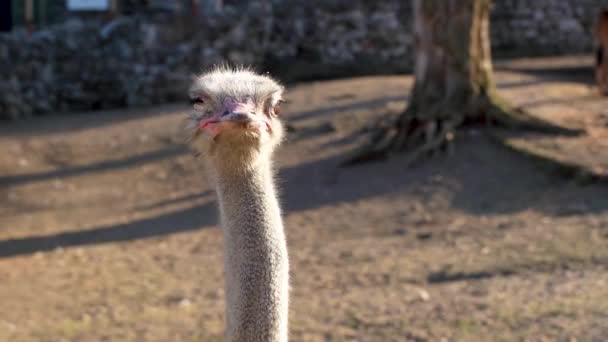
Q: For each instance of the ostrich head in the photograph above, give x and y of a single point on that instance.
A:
(235, 119)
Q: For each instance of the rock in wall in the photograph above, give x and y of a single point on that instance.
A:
(86, 64)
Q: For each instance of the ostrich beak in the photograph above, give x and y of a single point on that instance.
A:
(234, 120)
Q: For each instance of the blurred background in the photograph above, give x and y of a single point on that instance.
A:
(108, 225)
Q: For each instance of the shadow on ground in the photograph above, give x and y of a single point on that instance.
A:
(110, 165)
(332, 110)
(581, 74)
(479, 179)
(54, 124)
(179, 221)
(482, 179)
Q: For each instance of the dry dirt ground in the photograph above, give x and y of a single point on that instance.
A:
(108, 227)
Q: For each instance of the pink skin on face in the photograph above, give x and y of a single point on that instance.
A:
(218, 121)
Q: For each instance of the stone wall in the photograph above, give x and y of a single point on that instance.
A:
(137, 61)
(542, 27)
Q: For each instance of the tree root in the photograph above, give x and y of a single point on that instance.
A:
(421, 137)
(423, 134)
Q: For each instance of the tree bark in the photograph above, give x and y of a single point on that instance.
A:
(453, 83)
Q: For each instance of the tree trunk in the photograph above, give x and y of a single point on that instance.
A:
(453, 82)
(453, 63)
(601, 60)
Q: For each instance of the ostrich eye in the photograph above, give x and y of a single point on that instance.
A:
(277, 108)
(197, 101)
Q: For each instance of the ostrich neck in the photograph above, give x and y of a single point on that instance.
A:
(256, 262)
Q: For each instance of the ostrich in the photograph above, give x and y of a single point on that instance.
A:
(235, 129)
